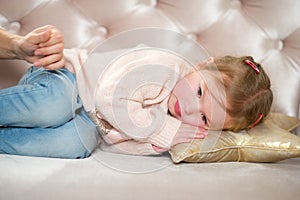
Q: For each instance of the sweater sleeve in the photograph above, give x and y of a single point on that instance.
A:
(143, 120)
(150, 124)
(164, 137)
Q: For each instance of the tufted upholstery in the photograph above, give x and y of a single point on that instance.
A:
(267, 30)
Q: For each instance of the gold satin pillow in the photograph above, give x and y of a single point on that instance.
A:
(270, 141)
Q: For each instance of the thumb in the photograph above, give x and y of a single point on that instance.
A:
(36, 38)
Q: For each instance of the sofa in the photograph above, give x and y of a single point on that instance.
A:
(267, 30)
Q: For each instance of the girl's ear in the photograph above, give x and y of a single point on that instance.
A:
(204, 63)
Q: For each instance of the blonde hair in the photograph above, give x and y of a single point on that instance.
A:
(248, 94)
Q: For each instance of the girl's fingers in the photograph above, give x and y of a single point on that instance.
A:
(201, 136)
(187, 133)
(198, 135)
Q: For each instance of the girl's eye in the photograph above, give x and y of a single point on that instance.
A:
(204, 119)
(199, 92)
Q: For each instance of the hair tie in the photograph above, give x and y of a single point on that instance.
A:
(252, 65)
(260, 116)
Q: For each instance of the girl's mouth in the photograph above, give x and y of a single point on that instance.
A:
(177, 109)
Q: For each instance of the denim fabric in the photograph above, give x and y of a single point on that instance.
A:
(43, 116)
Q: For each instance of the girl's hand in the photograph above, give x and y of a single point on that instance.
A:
(186, 133)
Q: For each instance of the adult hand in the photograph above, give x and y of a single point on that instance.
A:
(186, 133)
(42, 47)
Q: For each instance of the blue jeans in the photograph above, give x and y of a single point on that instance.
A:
(43, 116)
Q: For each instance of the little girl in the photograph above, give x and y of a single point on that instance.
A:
(149, 100)
(144, 102)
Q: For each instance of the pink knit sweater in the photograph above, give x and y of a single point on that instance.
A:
(129, 89)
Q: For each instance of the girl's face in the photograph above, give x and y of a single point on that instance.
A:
(192, 103)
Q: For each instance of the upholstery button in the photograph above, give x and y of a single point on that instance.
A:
(3, 21)
(14, 27)
(236, 4)
(151, 3)
(192, 36)
(278, 44)
(102, 30)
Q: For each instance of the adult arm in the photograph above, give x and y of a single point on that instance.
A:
(41, 47)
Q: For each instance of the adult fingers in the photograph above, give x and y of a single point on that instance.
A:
(37, 38)
(55, 38)
(43, 29)
(49, 60)
(56, 65)
(45, 51)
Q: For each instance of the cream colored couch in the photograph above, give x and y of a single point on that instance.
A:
(269, 30)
